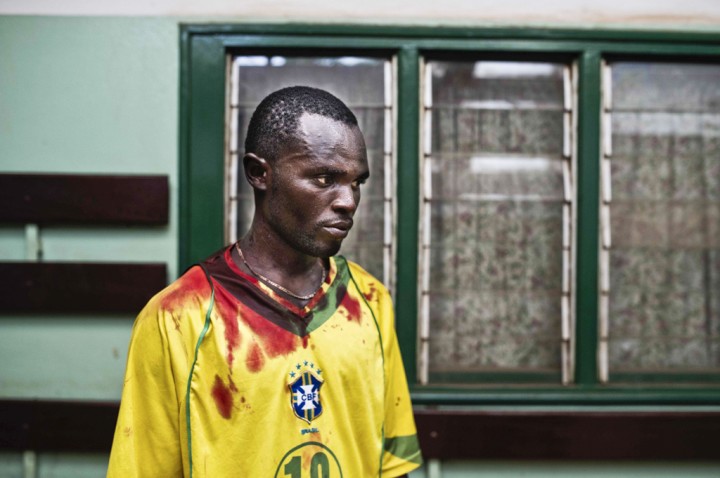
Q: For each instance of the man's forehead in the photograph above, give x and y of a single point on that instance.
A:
(316, 132)
(327, 144)
(312, 121)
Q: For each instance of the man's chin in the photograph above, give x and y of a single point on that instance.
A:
(329, 250)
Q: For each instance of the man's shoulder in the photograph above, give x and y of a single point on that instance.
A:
(365, 280)
(189, 287)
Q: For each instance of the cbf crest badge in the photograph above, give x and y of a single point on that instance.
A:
(305, 392)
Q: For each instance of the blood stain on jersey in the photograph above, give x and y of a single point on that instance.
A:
(255, 359)
(229, 316)
(370, 295)
(223, 398)
(274, 340)
(191, 284)
(305, 394)
(352, 306)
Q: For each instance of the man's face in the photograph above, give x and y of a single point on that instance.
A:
(315, 186)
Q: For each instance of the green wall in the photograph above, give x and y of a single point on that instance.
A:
(100, 95)
(83, 95)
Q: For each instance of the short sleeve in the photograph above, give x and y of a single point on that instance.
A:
(401, 448)
(147, 441)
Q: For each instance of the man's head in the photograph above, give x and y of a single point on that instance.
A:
(306, 160)
(274, 123)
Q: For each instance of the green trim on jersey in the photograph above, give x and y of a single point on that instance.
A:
(405, 447)
(329, 304)
(380, 338)
(192, 369)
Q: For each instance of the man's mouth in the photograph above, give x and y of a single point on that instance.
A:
(339, 228)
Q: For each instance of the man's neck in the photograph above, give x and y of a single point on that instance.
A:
(268, 257)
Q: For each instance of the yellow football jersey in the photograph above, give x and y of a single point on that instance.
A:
(225, 378)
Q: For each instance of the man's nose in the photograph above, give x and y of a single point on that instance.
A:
(347, 199)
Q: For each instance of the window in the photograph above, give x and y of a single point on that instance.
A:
(496, 220)
(546, 206)
(660, 260)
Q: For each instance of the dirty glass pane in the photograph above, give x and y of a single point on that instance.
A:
(360, 83)
(664, 299)
(496, 221)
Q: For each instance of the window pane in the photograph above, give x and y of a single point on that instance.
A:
(361, 83)
(495, 202)
(664, 259)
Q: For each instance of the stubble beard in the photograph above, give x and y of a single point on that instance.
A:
(303, 241)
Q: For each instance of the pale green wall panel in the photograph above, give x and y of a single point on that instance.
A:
(89, 94)
(11, 464)
(147, 244)
(12, 243)
(63, 357)
(92, 95)
(71, 465)
(85, 95)
(56, 465)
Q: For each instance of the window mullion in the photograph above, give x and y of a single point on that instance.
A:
(408, 192)
(588, 190)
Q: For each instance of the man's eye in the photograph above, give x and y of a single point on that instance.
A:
(359, 183)
(323, 180)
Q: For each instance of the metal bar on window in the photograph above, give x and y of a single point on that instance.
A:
(606, 185)
(605, 223)
(231, 152)
(234, 127)
(606, 133)
(426, 181)
(606, 86)
(605, 231)
(566, 299)
(388, 140)
(567, 127)
(233, 197)
(569, 347)
(568, 88)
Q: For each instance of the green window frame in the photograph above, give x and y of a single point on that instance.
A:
(205, 50)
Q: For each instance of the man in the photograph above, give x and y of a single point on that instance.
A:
(274, 358)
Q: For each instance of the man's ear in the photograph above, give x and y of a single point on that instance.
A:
(257, 171)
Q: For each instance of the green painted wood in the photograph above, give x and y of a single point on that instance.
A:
(408, 195)
(473, 44)
(185, 158)
(689, 377)
(300, 30)
(567, 396)
(548, 378)
(588, 216)
(202, 168)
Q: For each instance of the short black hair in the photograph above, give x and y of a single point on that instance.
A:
(275, 121)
